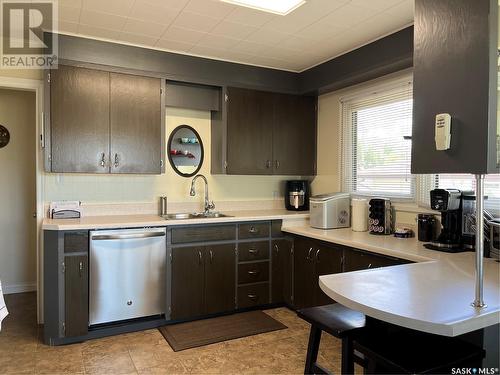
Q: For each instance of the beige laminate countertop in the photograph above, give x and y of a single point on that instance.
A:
(432, 295)
(140, 221)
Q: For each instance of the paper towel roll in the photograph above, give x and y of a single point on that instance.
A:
(359, 215)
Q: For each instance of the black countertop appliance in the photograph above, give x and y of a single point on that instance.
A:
(297, 194)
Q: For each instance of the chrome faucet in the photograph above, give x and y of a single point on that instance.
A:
(209, 205)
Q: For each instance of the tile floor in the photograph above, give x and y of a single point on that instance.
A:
(146, 352)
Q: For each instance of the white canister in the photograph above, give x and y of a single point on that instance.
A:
(359, 214)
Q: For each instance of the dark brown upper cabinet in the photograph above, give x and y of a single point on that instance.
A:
(264, 133)
(455, 72)
(103, 122)
(79, 120)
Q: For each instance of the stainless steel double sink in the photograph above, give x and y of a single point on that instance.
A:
(195, 215)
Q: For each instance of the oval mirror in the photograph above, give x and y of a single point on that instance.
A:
(185, 151)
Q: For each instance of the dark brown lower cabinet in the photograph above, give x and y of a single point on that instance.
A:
(76, 295)
(281, 273)
(312, 259)
(219, 278)
(187, 282)
(203, 280)
(356, 260)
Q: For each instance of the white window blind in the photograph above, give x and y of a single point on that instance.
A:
(375, 157)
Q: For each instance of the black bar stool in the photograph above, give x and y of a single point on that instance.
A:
(389, 349)
(337, 320)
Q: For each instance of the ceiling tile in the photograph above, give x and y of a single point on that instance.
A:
(284, 53)
(204, 51)
(269, 62)
(249, 16)
(267, 37)
(98, 32)
(212, 8)
(319, 31)
(250, 48)
(348, 16)
(168, 4)
(71, 3)
(405, 10)
(68, 14)
(173, 45)
(195, 21)
(376, 4)
(181, 34)
(151, 29)
(217, 41)
(117, 7)
(144, 11)
(233, 29)
(137, 39)
(102, 20)
(295, 42)
(66, 27)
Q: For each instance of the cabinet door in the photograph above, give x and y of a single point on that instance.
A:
(187, 282)
(294, 135)
(327, 260)
(303, 275)
(76, 295)
(220, 282)
(249, 132)
(79, 120)
(136, 124)
(281, 278)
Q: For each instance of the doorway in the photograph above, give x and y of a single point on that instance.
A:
(18, 194)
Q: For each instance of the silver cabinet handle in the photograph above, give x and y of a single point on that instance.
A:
(276, 248)
(253, 251)
(117, 161)
(317, 255)
(256, 272)
(268, 164)
(99, 237)
(309, 253)
(277, 164)
(253, 230)
(252, 296)
(370, 265)
(103, 160)
(211, 256)
(81, 269)
(200, 257)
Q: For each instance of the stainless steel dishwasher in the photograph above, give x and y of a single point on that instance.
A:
(127, 274)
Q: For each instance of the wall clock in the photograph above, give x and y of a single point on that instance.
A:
(4, 136)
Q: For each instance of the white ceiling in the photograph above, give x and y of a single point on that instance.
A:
(315, 32)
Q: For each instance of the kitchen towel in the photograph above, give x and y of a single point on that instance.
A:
(3, 308)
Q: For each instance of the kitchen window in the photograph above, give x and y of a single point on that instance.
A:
(376, 141)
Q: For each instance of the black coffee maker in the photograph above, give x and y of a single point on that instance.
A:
(449, 203)
(297, 195)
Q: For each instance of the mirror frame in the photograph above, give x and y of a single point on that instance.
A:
(200, 142)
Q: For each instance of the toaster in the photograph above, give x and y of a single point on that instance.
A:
(330, 211)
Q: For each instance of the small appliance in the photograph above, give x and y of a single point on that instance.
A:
(297, 195)
(449, 203)
(330, 211)
(65, 210)
(426, 227)
(380, 216)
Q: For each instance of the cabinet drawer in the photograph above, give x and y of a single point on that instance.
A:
(253, 295)
(253, 272)
(204, 233)
(253, 230)
(76, 242)
(253, 251)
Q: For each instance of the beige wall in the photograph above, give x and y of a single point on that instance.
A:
(17, 192)
(130, 188)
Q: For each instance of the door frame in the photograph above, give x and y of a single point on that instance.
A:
(36, 86)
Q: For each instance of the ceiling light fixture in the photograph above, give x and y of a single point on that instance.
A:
(281, 7)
